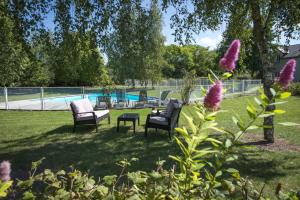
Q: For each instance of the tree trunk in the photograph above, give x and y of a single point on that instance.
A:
(259, 30)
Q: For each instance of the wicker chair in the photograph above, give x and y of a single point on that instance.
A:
(83, 113)
(165, 121)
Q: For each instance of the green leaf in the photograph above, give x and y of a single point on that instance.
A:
(277, 103)
(234, 119)
(277, 111)
(284, 95)
(155, 175)
(266, 115)
(210, 79)
(227, 75)
(28, 196)
(252, 127)
(273, 92)
(232, 170)
(257, 101)
(229, 185)
(228, 143)
(102, 190)
(251, 111)
(219, 173)
(136, 177)
(109, 180)
(4, 187)
(289, 124)
(35, 164)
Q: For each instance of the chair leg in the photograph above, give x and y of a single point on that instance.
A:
(96, 128)
(108, 119)
(169, 134)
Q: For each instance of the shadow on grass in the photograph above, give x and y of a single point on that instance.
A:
(99, 152)
(87, 150)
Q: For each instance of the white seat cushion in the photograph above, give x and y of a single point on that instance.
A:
(158, 120)
(101, 113)
(84, 117)
(88, 116)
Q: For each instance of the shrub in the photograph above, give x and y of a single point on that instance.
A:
(294, 88)
(188, 86)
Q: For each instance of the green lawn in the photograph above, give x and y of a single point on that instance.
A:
(28, 136)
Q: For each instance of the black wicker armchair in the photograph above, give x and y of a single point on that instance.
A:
(166, 121)
(83, 113)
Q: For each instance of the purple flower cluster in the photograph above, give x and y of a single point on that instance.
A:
(5, 171)
(287, 73)
(228, 62)
(214, 96)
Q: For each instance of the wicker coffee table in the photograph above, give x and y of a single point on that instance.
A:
(129, 117)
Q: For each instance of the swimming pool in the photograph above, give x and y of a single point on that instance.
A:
(93, 96)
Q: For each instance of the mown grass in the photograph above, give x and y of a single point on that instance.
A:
(28, 136)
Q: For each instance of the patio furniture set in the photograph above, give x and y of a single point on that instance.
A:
(105, 101)
(84, 113)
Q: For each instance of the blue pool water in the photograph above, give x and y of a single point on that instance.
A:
(92, 97)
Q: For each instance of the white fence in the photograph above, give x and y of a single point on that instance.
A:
(59, 98)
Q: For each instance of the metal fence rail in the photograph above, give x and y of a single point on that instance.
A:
(59, 98)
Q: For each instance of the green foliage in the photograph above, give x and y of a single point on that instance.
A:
(136, 45)
(188, 87)
(4, 188)
(182, 59)
(294, 88)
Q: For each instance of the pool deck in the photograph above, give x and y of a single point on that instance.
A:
(35, 104)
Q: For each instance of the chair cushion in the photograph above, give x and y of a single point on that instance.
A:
(158, 120)
(83, 105)
(169, 109)
(89, 116)
(85, 116)
(101, 113)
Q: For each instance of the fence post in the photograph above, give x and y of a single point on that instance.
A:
(42, 98)
(232, 85)
(243, 86)
(6, 98)
(83, 92)
(159, 100)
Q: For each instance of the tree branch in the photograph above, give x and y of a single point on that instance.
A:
(272, 7)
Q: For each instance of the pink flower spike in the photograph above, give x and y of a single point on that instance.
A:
(287, 73)
(214, 96)
(5, 171)
(228, 62)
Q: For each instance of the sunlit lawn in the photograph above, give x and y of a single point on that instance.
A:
(28, 136)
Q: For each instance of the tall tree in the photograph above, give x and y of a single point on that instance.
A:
(154, 44)
(267, 17)
(20, 22)
(136, 47)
